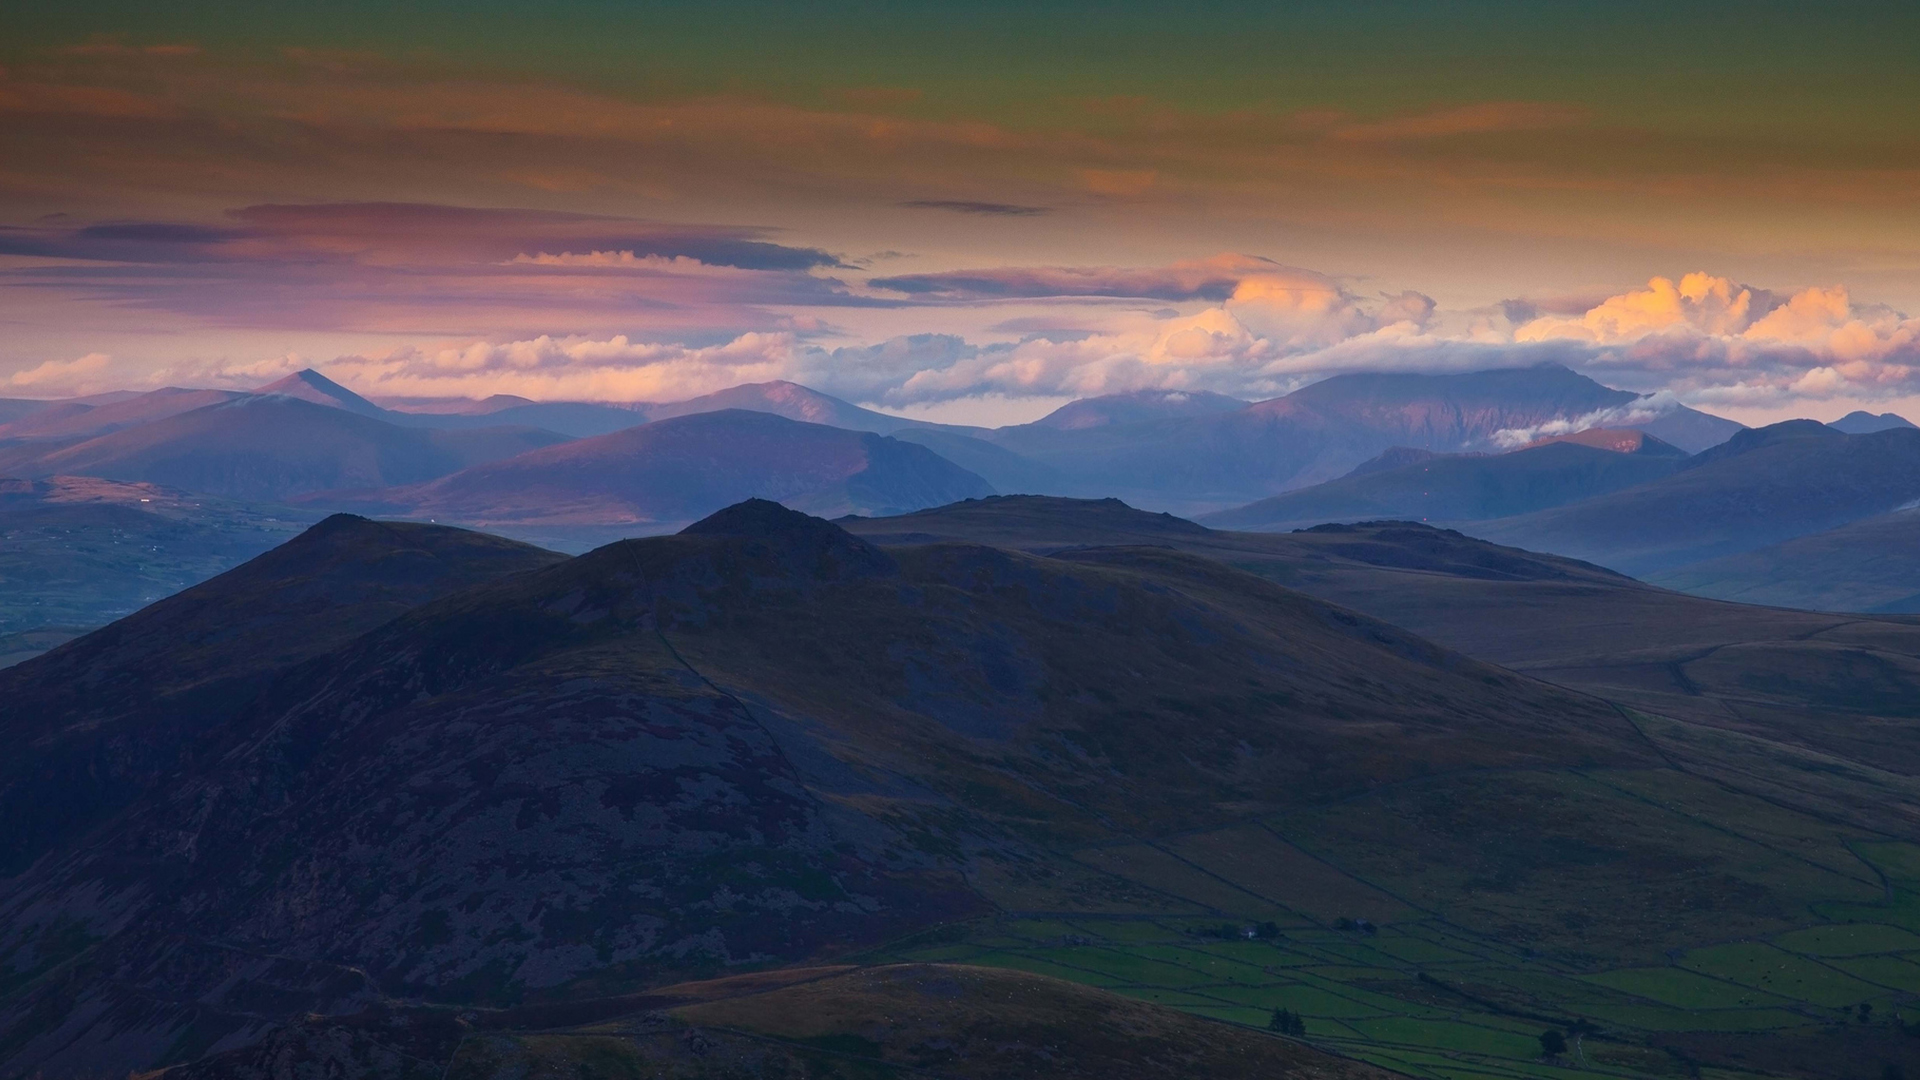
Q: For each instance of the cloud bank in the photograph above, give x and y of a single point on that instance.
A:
(556, 305)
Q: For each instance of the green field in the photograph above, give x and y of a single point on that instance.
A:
(1463, 986)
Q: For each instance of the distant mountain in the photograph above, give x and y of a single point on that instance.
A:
(795, 402)
(680, 469)
(1861, 422)
(1761, 487)
(1199, 463)
(311, 386)
(1866, 565)
(79, 420)
(1462, 487)
(761, 742)
(1137, 406)
(273, 446)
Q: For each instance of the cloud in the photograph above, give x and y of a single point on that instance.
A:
(423, 268)
(1738, 344)
(77, 376)
(1215, 278)
(962, 206)
(1479, 118)
(1632, 414)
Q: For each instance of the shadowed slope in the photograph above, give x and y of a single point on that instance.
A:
(760, 741)
(99, 720)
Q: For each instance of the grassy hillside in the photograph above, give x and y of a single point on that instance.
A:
(765, 745)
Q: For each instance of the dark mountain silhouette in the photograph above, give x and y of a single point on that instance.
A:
(271, 446)
(1861, 422)
(1761, 487)
(108, 715)
(660, 760)
(679, 469)
(1463, 487)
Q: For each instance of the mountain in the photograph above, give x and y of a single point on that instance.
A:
(1809, 687)
(1206, 462)
(1137, 406)
(882, 803)
(1465, 487)
(110, 715)
(680, 469)
(311, 386)
(1761, 487)
(664, 759)
(273, 446)
(1865, 565)
(1861, 422)
(793, 401)
(76, 420)
(77, 553)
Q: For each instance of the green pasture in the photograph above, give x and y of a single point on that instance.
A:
(1794, 925)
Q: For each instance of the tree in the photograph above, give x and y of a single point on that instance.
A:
(1552, 1043)
(1287, 1023)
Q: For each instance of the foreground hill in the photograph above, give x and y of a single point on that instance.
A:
(830, 1023)
(272, 447)
(1462, 488)
(1761, 487)
(77, 553)
(673, 471)
(111, 714)
(660, 759)
(1812, 694)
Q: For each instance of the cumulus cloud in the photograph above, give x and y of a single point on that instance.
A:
(1732, 343)
(77, 376)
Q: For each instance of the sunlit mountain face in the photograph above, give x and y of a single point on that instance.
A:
(969, 213)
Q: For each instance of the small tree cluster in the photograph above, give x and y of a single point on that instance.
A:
(1552, 1042)
(1287, 1022)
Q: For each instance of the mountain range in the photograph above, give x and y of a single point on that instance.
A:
(657, 761)
(1015, 785)
(672, 471)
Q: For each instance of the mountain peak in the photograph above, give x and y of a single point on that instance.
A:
(807, 541)
(1862, 422)
(309, 385)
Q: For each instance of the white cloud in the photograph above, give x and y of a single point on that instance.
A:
(81, 375)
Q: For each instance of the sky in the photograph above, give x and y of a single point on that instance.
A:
(968, 212)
